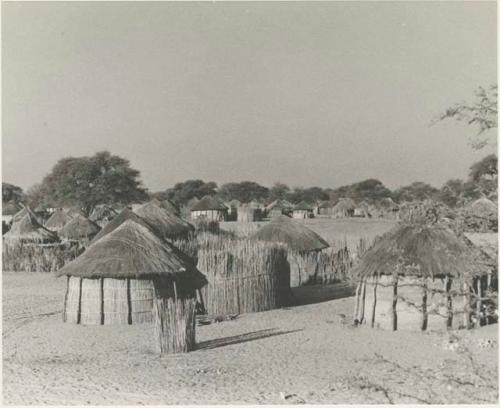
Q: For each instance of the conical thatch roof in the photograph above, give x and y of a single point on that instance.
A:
(133, 251)
(428, 251)
(169, 206)
(79, 228)
(279, 205)
(102, 212)
(125, 214)
(21, 214)
(234, 203)
(169, 225)
(11, 208)
(293, 233)
(28, 229)
(482, 207)
(303, 206)
(208, 203)
(58, 220)
(344, 205)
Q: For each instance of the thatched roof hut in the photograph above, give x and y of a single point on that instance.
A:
(210, 208)
(102, 214)
(483, 207)
(169, 225)
(294, 234)
(131, 276)
(170, 207)
(419, 272)
(29, 230)
(278, 207)
(302, 210)
(11, 208)
(79, 228)
(344, 208)
(58, 220)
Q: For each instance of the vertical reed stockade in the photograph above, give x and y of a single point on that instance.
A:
(244, 275)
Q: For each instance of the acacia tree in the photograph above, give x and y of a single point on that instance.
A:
(482, 113)
(10, 192)
(88, 181)
(244, 191)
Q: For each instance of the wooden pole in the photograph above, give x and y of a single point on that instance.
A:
(66, 300)
(79, 313)
(449, 304)
(374, 301)
(479, 303)
(425, 316)
(102, 300)
(466, 298)
(356, 304)
(394, 315)
(361, 313)
(129, 303)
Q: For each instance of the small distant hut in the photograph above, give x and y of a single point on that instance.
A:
(481, 216)
(210, 209)
(58, 220)
(362, 210)
(302, 211)
(388, 208)
(29, 231)
(131, 276)
(244, 276)
(419, 277)
(79, 229)
(102, 214)
(169, 225)
(344, 208)
(326, 208)
(304, 246)
(278, 208)
(247, 213)
(10, 209)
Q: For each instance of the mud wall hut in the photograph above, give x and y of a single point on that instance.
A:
(344, 208)
(302, 211)
(210, 209)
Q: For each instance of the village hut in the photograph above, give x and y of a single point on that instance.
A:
(28, 230)
(169, 225)
(419, 277)
(10, 209)
(388, 208)
(481, 216)
(210, 209)
(79, 229)
(344, 208)
(248, 213)
(102, 214)
(326, 208)
(131, 276)
(362, 210)
(244, 276)
(58, 220)
(21, 214)
(307, 263)
(302, 211)
(278, 208)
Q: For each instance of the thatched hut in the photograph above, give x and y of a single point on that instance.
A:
(362, 210)
(58, 220)
(248, 213)
(344, 208)
(278, 208)
(304, 245)
(79, 229)
(302, 211)
(169, 225)
(102, 214)
(209, 208)
(388, 208)
(29, 230)
(419, 276)
(131, 276)
(326, 208)
(10, 209)
(244, 276)
(481, 216)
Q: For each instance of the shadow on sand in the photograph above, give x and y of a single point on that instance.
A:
(310, 294)
(242, 338)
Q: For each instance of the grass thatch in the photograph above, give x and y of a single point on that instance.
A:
(428, 251)
(79, 228)
(208, 203)
(302, 206)
(244, 275)
(103, 214)
(28, 229)
(344, 207)
(168, 225)
(279, 205)
(58, 220)
(168, 206)
(134, 251)
(483, 207)
(294, 234)
(11, 208)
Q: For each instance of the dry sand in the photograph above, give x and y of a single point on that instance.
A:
(294, 355)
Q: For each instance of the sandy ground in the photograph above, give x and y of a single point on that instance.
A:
(294, 355)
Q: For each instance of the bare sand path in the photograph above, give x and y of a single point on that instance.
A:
(293, 355)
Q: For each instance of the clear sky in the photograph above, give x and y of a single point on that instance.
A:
(305, 93)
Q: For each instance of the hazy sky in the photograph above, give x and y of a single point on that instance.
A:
(305, 93)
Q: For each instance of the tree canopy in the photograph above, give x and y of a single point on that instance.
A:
(417, 191)
(10, 192)
(181, 193)
(244, 191)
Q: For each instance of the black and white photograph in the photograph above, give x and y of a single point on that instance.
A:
(249, 202)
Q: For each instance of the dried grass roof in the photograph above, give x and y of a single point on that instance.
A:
(11, 208)
(133, 251)
(208, 203)
(279, 205)
(168, 225)
(58, 220)
(483, 207)
(344, 204)
(326, 204)
(78, 228)
(28, 229)
(293, 233)
(303, 206)
(102, 212)
(419, 250)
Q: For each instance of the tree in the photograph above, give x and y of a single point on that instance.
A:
(88, 181)
(370, 190)
(451, 193)
(278, 191)
(484, 174)
(10, 192)
(181, 193)
(481, 113)
(417, 191)
(244, 191)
